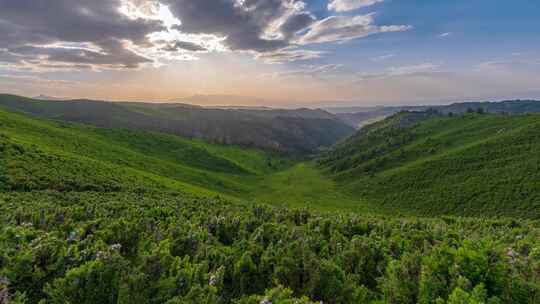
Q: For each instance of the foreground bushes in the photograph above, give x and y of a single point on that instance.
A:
(167, 248)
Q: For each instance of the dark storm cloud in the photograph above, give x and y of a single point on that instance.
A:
(27, 25)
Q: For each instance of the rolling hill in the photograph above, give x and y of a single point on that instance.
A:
(426, 163)
(298, 132)
(40, 154)
(49, 155)
(416, 163)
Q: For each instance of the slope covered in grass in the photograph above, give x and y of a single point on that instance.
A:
(470, 165)
(39, 154)
(413, 163)
(297, 132)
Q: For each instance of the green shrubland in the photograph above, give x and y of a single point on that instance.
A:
(156, 247)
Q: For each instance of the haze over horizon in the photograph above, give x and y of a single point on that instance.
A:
(277, 53)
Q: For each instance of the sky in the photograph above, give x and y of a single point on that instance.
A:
(272, 52)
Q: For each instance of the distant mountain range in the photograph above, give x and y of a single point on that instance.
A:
(222, 100)
(299, 131)
(45, 97)
(360, 116)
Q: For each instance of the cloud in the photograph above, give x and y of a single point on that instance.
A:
(126, 34)
(17, 79)
(443, 35)
(349, 5)
(345, 28)
(266, 26)
(288, 55)
(422, 69)
(307, 70)
(295, 24)
(28, 27)
(413, 69)
(111, 53)
(249, 25)
(184, 45)
(509, 64)
(383, 57)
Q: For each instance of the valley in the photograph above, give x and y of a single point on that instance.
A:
(162, 218)
(412, 163)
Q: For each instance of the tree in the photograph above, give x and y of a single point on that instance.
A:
(96, 281)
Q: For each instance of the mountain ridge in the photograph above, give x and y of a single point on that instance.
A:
(361, 116)
(300, 132)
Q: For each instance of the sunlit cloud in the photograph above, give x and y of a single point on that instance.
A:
(383, 57)
(349, 5)
(345, 28)
(289, 55)
(426, 68)
(319, 71)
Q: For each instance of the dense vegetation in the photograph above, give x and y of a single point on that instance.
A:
(41, 154)
(38, 154)
(90, 247)
(418, 163)
(431, 164)
(298, 132)
(95, 215)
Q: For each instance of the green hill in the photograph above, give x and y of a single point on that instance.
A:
(429, 164)
(417, 163)
(298, 132)
(39, 154)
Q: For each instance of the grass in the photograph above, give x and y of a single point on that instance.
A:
(73, 157)
(467, 165)
(64, 154)
(305, 186)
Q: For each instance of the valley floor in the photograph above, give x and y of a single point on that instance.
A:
(305, 186)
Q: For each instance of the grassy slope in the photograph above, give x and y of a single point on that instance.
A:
(42, 154)
(468, 165)
(67, 156)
